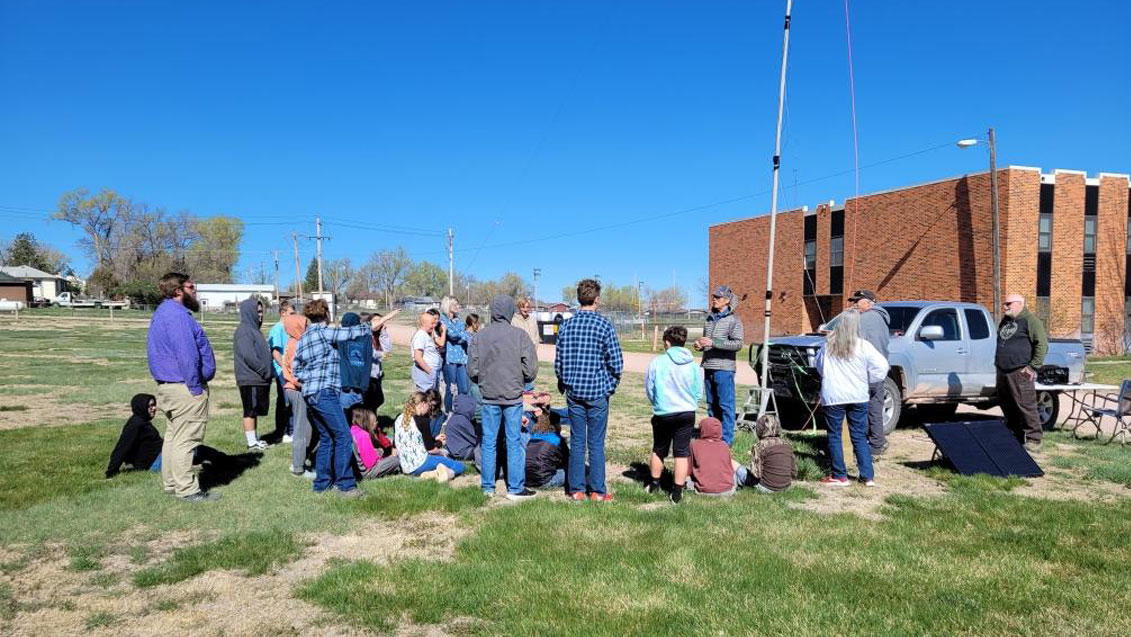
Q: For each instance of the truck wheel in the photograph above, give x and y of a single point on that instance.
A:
(893, 405)
(1048, 409)
(937, 413)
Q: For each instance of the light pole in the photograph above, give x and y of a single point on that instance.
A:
(537, 273)
(992, 142)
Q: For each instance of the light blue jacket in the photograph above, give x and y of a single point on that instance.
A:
(674, 383)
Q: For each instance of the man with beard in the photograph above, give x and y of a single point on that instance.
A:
(182, 363)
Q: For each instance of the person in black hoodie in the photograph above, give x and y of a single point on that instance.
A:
(139, 445)
(254, 369)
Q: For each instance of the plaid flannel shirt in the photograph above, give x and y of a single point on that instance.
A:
(316, 356)
(588, 361)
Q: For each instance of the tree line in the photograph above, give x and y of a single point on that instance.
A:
(131, 243)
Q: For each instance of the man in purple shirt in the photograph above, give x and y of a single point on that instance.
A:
(182, 363)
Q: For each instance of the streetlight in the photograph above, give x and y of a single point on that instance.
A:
(991, 140)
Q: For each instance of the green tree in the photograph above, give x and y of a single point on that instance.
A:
(426, 279)
(214, 247)
(25, 249)
(310, 283)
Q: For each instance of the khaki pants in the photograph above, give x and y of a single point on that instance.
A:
(187, 416)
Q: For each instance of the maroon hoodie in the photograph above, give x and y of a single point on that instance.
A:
(710, 459)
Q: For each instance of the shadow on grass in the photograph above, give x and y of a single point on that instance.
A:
(221, 469)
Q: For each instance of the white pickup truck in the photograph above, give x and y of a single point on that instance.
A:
(67, 299)
(941, 355)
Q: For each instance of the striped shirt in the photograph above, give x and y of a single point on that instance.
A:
(588, 361)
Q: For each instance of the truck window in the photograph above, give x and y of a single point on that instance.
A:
(976, 322)
(900, 317)
(947, 320)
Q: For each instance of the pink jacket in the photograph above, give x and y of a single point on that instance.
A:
(365, 449)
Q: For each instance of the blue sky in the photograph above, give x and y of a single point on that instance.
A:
(532, 127)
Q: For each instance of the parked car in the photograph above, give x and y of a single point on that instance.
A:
(941, 355)
(68, 299)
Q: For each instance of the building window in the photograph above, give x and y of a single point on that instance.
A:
(810, 255)
(836, 251)
(809, 276)
(1048, 193)
(1044, 234)
(1088, 315)
(1089, 235)
(1044, 273)
(1091, 200)
(836, 280)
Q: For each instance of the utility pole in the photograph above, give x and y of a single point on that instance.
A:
(276, 254)
(537, 273)
(451, 265)
(318, 238)
(298, 267)
(996, 224)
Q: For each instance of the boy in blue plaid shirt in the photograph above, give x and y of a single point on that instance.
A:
(588, 364)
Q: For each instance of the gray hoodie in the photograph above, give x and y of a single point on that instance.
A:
(502, 358)
(250, 352)
(874, 328)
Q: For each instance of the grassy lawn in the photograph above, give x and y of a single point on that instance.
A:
(82, 553)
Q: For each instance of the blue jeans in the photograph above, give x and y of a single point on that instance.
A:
(433, 461)
(718, 384)
(455, 382)
(857, 431)
(335, 444)
(284, 419)
(588, 421)
(437, 424)
(510, 417)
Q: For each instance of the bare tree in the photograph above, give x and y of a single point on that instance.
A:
(338, 273)
(389, 270)
(667, 301)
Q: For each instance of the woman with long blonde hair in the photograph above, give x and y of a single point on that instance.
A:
(421, 454)
(847, 364)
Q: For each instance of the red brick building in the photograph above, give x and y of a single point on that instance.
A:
(1065, 246)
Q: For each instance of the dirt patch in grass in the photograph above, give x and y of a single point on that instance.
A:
(52, 599)
(46, 410)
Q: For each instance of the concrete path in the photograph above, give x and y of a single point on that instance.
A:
(636, 362)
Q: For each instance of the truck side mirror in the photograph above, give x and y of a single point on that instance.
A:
(823, 328)
(930, 333)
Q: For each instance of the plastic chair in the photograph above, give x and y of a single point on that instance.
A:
(1121, 414)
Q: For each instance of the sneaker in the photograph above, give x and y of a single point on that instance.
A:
(651, 486)
(258, 445)
(444, 474)
(601, 497)
(525, 494)
(201, 496)
(1032, 445)
(309, 475)
(429, 475)
(835, 482)
(489, 494)
(578, 496)
(869, 483)
(676, 496)
(288, 439)
(352, 494)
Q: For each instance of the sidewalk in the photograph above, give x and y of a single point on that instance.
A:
(636, 362)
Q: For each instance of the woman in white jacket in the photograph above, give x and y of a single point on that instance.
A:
(847, 364)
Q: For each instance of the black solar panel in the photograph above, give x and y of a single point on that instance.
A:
(983, 446)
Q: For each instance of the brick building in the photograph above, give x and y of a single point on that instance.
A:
(1065, 245)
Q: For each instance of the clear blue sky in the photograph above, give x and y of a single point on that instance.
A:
(517, 121)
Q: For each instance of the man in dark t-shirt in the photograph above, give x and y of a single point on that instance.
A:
(1021, 347)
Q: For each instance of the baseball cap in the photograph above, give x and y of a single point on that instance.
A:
(863, 294)
(723, 291)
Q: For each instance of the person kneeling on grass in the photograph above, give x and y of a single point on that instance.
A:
(421, 454)
(463, 436)
(772, 463)
(674, 385)
(139, 444)
(375, 454)
(713, 470)
(547, 454)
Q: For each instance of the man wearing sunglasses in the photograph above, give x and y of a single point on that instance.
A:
(1021, 347)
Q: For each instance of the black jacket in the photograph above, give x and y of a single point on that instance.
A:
(140, 444)
(250, 352)
(543, 459)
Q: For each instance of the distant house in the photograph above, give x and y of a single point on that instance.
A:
(418, 303)
(13, 289)
(43, 284)
(214, 296)
(557, 308)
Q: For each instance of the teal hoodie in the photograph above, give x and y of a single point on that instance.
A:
(674, 383)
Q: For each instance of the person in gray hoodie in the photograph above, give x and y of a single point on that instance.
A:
(874, 322)
(254, 369)
(502, 360)
(722, 338)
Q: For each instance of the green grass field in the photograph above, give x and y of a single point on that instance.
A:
(928, 552)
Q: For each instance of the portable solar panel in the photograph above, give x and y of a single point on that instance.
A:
(983, 446)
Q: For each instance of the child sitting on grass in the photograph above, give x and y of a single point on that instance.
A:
(772, 464)
(139, 444)
(713, 470)
(375, 454)
(421, 454)
(546, 454)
